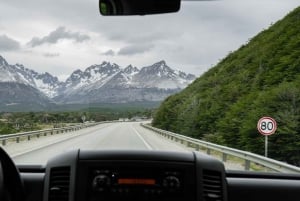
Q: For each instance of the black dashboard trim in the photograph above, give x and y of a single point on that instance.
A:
(261, 175)
(136, 155)
(238, 185)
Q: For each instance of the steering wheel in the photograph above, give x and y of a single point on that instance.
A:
(11, 185)
(1, 183)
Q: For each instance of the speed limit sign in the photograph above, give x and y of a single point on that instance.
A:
(267, 126)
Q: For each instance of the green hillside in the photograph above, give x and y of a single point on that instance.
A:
(261, 78)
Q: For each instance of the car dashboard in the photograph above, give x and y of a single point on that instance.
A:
(82, 175)
(131, 175)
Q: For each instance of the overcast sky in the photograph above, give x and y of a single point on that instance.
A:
(61, 36)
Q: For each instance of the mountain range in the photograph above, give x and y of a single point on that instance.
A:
(103, 83)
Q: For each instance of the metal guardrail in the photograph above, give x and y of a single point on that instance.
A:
(247, 157)
(18, 136)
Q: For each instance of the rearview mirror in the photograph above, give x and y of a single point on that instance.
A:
(137, 7)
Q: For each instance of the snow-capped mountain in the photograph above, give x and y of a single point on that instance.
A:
(161, 76)
(110, 83)
(18, 87)
(46, 83)
(130, 70)
(104, 83)
(107, 75)
(93, 76)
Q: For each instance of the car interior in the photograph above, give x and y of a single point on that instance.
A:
(124, 175)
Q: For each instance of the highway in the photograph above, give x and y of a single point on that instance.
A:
(117, 136)
(122, 136)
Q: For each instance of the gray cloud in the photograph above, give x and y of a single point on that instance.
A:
(58, 34)
(132, 36)
(206, 31)
(109, 53)
(8, 44)
(135, 49)
(51, 55)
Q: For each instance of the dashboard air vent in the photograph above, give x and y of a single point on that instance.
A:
(59, 184)
(212, 186)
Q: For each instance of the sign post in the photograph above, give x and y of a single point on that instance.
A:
(266, 126)
(266, 146)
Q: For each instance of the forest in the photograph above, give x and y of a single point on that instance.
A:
(14, 122)
(261, 78)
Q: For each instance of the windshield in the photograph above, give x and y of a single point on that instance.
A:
(71, 78)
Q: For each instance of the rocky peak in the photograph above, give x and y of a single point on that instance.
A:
(160, 69)
(48, 78)
(3, 62)
(104, 68)
(130, 69)
(76, 75)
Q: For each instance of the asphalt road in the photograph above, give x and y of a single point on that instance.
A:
(122, 136)
(117, 136)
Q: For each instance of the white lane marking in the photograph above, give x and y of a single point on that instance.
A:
(143, 140)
